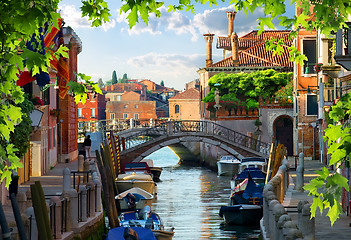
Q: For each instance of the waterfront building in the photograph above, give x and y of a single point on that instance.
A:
(185, 105)
(248, 54)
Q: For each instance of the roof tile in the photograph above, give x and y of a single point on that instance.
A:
(253, 51)
(191, 93)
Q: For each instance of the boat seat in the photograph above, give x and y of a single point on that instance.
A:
(149, 223)
(130, 216)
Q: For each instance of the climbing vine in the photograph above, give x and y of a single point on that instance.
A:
(244, 89)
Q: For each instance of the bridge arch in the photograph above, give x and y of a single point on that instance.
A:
(183, 139)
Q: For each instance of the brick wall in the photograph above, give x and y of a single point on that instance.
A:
(145, 109)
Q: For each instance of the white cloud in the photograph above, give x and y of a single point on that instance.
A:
(169, 21)
(174, 69)
(73, 17)
(210, 21)
(166, 60)
(215, 21)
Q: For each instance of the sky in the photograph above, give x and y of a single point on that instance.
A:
(170, 48)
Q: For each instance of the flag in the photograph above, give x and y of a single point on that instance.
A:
(55, 36)
(25, 77)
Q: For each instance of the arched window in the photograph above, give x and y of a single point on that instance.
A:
(176, 109)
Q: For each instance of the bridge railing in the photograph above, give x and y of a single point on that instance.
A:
(145, 135)
(208, 127)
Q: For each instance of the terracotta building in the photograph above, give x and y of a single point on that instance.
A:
(185, 105)
(58, 126)
(138, 110)
(315, 88)
(67, 107)
(115, 91)
(245, 54)
(93, 110)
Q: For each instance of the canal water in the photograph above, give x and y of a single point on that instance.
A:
(189, 199)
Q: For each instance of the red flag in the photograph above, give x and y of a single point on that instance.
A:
(24, 77)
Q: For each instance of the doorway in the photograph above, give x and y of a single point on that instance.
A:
(283, 132)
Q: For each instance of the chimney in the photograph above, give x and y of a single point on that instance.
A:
(209, 41)
(235, 45)
(231, 17)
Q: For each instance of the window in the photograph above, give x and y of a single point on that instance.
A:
(136, 106)
(54, 136)
(49, 138)
(125, 106)
(46, 96)
(112, 116)
(176, 108)
(125, 115)
(312, 105)
(80, 125)
(92, 98)
(309, 50)
(92, 112)
(136, 116)
(80, 113)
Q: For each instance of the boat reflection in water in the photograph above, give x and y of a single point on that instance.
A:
(189, 199)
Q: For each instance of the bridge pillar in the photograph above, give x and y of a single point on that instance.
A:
(169, 128)
(131, 122)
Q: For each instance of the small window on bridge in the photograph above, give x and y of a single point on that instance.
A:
(176, 109)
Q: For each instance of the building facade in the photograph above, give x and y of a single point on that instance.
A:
(185, 105)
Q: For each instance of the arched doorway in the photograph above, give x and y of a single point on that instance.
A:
(283, 132)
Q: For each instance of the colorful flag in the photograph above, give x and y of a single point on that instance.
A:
(55, 36)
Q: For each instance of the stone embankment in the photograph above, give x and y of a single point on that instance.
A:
(286, 212)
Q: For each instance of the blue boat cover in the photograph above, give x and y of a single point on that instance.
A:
(118, 233)
(252, 189)
(254, 172)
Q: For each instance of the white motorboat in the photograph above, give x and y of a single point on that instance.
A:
(136, 175)
(254, 162)
(134, 198)
(228, 165)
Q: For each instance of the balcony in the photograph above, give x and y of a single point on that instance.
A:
(343, 47)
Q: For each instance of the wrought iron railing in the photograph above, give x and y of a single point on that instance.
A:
(207, 127)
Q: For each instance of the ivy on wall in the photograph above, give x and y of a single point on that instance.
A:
(244, 89)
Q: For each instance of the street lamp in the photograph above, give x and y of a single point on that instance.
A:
(36, 116)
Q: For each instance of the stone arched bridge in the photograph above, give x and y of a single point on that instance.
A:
(139, 143)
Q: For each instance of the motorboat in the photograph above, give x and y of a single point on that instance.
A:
(147, 219)
(156, 171)
(136, 175)
(254, 162)
(134, 198)
(257, 175)
(245, 206)
(228, 165)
